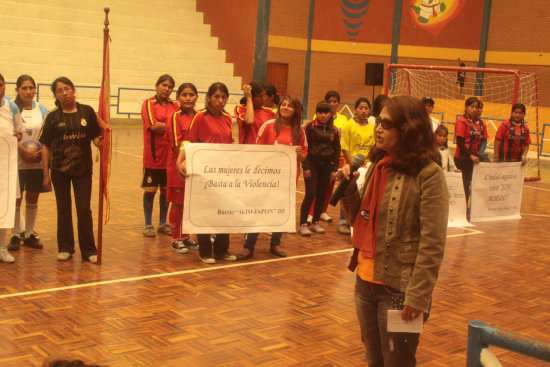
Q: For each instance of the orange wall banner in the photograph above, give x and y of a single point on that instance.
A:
(442, 23)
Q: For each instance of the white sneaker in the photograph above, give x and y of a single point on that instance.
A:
(316, 227)
(326, 217)
(310, 218)
(6, 257)
(304, 230)
(93, 259)
(64, 256)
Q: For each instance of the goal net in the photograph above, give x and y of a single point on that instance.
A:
(449, 87)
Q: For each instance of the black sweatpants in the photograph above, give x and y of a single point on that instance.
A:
(316, 188)
(82, 188)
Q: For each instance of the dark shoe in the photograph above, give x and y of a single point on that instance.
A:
(275, 251)
(15, 243)
(244, 256)
(227, 257)
(164, 229)
(33, 242)
(191, 245)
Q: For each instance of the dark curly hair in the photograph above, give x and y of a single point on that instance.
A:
(416, 146)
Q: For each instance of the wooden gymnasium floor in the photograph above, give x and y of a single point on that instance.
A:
(148, 306)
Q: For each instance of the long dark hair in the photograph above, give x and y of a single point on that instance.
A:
(416, 145)
(296, 119)
(270, 90)
(378, 104)
(64, 80)
(214, 87)
(18, 83)
(165, 77)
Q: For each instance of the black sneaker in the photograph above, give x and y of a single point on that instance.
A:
(191, 245)
(32, 242)
(15, 243)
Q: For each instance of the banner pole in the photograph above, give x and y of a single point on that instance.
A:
(101, 164)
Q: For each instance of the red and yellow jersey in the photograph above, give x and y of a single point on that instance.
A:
(249, 133)
(268, 136)
(207, 128)
(176, 131)
(155, 146)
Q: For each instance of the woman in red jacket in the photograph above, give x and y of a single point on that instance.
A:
(176, 130)
(155, 112)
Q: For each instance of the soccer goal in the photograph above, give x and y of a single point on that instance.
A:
(499, 89)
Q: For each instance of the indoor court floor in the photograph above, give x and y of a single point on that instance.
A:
(149, 306)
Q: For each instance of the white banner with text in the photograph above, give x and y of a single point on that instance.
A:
(496, 191)
(457, 200)
(236, 188)
(8, 183)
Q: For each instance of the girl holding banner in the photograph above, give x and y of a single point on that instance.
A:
(176, 130)
(284, 129)
(210, 125)
(471, 135)
(400, 225)
(512, 139)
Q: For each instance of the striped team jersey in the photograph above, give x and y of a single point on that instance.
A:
(207, 128)
(249, 133)
(155, 146)
(176, 130)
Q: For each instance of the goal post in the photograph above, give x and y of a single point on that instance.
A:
(450, 86)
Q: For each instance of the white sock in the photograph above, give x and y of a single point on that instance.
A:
(3, 234)
(31, 211)
(17, 225)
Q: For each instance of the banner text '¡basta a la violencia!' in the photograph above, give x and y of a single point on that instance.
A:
(248, 183)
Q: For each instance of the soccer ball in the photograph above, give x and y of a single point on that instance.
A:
(32, 146)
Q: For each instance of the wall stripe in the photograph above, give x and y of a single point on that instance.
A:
(420, 52)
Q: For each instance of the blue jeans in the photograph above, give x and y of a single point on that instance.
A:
(382, 349)
(252, 238)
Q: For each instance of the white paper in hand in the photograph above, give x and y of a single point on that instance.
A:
(397, 325)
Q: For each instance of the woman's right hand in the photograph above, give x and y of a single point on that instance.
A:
(47, 183)
(474, 158)
(182, 169)
(33, 157)
(247, 89)
(307, 174)
(346, 172)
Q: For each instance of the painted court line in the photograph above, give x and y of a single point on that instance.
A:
(536, 188)
(130, 154)
(536, 215)
(189, 271)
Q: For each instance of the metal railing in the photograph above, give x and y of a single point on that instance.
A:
(135, 110)
(481, 336)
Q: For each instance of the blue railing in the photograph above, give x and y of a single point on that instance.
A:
(481, 336)
(117, 98)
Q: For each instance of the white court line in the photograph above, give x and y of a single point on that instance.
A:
(152, 276)
(189, 271)
(536, 215)
(536, 188)
(133, 155)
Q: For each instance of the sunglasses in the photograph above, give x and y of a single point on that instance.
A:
(386, 123)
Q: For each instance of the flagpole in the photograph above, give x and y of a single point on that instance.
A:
(101, 179)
